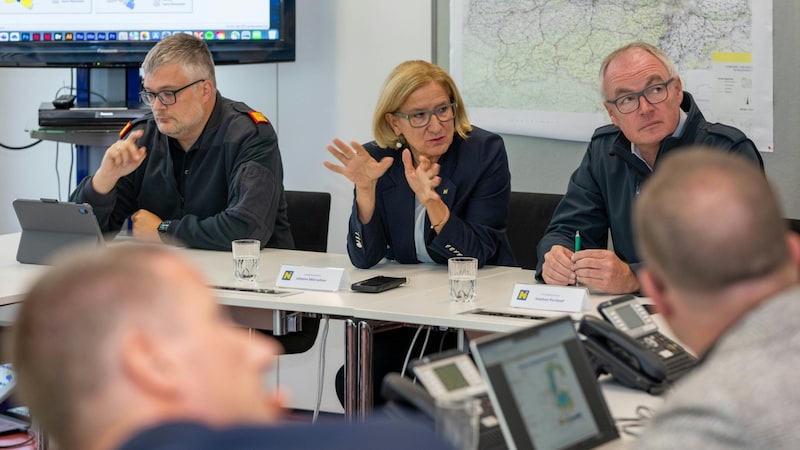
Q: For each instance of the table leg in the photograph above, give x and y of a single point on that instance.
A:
(351, 371)
(365, 369)
(462, 341)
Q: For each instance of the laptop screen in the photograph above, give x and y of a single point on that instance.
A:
(12, 417)
(543, 389)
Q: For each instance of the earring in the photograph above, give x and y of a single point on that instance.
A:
(401, 142)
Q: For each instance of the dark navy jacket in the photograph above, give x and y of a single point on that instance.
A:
(373, 434)
(233, 184)
(602, 189)
(476, 186)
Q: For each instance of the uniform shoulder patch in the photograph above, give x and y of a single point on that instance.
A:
(258, 117)
(134, 123)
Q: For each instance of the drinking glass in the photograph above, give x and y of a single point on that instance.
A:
(463, 275)
(246, 259)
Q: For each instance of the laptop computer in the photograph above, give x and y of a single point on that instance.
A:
(545, 393)
(50, 226)
(11, 417)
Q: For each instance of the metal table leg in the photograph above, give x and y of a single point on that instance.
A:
(364, 369)
(351, 371)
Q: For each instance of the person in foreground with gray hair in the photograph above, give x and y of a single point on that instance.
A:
(126, 348)
(722, 268)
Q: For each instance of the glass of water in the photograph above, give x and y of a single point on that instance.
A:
(463, 275)
(246, 258)
(457, 421)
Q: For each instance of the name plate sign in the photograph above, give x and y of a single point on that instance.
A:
(313, 278)
(550, 298)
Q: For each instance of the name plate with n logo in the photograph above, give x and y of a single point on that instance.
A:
(550, 298)
(313, 278)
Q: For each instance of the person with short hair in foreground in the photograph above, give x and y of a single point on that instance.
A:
(127, 348)
(722, 268)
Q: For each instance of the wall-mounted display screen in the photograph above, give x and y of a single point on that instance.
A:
(118, 33)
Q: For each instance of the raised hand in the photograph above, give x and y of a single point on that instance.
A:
(357, 164)
(120, 159)
(423, 179)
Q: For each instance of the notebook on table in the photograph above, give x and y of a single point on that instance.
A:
(50, 226)
(545, 393)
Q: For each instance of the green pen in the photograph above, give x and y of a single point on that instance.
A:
(577, 249)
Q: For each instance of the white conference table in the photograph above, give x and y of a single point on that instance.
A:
(422, 301)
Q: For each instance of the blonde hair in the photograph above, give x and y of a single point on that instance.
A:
(642, 46)
(401, 83)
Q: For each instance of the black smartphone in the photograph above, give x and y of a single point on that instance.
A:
(378, 284)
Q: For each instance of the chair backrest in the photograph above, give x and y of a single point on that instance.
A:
(528, 217)
(794, 225)
(309, 214)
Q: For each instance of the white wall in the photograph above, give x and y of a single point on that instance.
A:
(345, 50)
(28, 173)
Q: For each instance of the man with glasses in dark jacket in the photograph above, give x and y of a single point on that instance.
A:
(200, 170)
(651, 116)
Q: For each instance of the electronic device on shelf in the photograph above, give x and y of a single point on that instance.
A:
(88, 117)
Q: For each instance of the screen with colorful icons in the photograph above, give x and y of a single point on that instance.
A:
(109, 33)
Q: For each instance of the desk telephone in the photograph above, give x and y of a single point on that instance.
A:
(449, 375)
(629, 346)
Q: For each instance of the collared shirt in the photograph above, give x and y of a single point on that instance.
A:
(419, 233)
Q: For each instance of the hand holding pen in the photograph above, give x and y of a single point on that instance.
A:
(558, 268)
(577, 249)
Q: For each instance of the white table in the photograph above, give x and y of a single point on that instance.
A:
(423, 301)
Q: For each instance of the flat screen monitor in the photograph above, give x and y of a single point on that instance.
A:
(118, 33)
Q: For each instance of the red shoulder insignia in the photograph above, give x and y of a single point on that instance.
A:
(258, 117)
(125, 129)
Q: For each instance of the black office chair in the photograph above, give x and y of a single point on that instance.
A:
(309, 214)
(794, 225)
(528, 217)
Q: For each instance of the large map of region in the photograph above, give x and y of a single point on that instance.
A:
(516, 59)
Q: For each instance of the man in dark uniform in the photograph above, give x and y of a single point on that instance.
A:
(200, 170)
(651, 116)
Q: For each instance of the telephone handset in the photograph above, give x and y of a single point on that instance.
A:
(396, 388)
(630, 347)
(614, 352)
